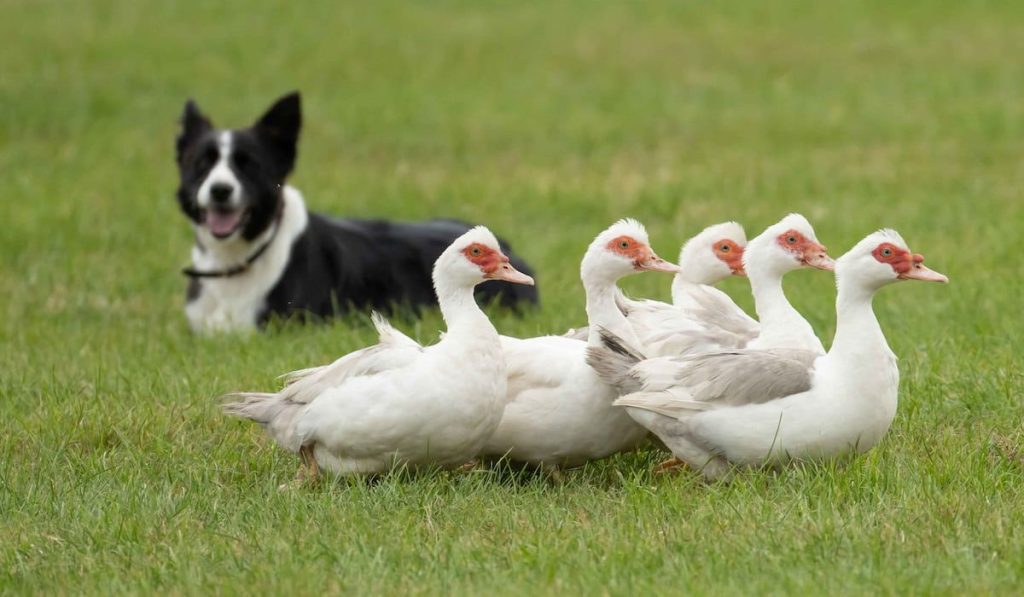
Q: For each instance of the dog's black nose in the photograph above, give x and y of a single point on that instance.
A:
(220, 192)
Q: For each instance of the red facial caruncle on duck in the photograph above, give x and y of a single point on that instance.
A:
(487, 258)
(807, 251)
(901, 260)
(632, 249)
(731, 254)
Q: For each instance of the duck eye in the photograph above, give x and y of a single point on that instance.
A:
(624, 244)
(887, 252)
(475, 251)
(725, 248)
(791, 240)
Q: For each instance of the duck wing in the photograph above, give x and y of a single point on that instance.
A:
(679, 386)
(717, 312)
(393, 350)
(281, 412)
(740, 377)
(703, 381)
(540, 363)
(707, 321)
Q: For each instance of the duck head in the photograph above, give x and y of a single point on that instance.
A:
(714, 254)
(882, 258)
(476, 257)
(622, 249)
(785, 246)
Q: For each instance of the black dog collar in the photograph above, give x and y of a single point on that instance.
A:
(243, 267)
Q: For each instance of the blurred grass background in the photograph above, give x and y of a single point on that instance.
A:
(545, 121)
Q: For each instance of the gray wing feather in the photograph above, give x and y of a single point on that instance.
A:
(747, 376)
(613, 362)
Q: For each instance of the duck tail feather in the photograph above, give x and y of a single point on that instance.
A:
(613, 362)
(279, 416)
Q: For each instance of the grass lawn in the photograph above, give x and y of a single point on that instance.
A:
(547, 122)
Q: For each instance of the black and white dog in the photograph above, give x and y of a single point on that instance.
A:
(259, 253)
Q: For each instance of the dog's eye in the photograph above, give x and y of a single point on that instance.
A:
(209, 157)
(246, 162)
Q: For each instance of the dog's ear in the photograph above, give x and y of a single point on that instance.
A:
(280, 127)
(193, 125)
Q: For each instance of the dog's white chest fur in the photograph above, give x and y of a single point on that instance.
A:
(235, 303)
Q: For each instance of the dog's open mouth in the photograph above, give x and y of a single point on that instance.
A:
(223, 223)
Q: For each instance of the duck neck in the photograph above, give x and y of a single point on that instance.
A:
(462, 316)
(683, 284)
(603, 312)
(772, 306)
(857, 328)
(680, 289)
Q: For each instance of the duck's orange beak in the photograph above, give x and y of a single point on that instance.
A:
(648, 261)
(816, 255)
(918, 271)
(505, 271)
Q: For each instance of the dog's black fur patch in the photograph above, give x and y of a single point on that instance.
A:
(396, 271)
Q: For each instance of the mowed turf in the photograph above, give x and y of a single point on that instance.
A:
(546, 122)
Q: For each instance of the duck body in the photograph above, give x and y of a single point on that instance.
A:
(409, 414)
(849, 409)
(400, 403)
(560, 412)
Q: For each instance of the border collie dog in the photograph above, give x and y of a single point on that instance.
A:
(258, 253)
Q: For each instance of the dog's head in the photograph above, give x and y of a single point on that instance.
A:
(231, 180)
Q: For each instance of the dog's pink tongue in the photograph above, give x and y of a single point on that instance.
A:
(222, 223)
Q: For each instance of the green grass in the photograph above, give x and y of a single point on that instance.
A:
(546, 122)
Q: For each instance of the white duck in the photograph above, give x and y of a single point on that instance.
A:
(783, 247)
(399, 402)
(755, 407)
(558, 413)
